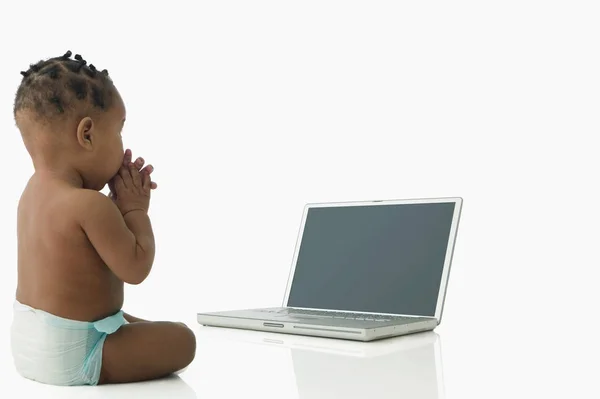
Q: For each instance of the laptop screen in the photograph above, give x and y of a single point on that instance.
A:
(373, 258)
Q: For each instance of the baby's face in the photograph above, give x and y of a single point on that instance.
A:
(107, 156)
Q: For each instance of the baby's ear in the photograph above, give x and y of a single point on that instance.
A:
(85, 133)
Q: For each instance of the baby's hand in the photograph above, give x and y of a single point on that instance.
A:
(132, 189)
(139, 163)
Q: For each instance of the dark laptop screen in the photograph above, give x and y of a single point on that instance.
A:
(373, 258)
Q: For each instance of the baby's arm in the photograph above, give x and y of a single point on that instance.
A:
(125, 243)
(122, 234)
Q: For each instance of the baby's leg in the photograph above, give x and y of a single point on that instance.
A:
(146, 350)
(132, 319)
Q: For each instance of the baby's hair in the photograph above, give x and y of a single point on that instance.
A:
(53, 87)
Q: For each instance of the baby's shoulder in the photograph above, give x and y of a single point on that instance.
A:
(84, 200)
(75, 203)
(87, 205)
(57, 208)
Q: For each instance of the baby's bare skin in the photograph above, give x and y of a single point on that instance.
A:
(78, 247)
(59, 269)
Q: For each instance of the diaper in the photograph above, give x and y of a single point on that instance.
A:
(58, 351)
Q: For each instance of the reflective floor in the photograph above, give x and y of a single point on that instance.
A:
(239, 364)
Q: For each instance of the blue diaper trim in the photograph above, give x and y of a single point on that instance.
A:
(110, 324)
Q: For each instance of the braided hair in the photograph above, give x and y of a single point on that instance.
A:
(53, 87)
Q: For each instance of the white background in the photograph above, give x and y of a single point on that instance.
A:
(250, 109)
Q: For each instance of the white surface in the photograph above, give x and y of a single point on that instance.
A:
(249, 110)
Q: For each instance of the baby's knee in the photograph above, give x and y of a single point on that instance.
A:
(186, 340)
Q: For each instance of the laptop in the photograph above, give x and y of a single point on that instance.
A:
(362, 271)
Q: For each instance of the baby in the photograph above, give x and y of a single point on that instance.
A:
(76, 246)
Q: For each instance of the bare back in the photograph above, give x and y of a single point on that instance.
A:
(59, 270)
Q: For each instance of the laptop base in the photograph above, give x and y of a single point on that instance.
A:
(279, 320)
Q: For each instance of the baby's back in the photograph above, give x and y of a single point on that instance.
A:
(59, 270)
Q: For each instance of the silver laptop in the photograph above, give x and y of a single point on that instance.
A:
(362, 271)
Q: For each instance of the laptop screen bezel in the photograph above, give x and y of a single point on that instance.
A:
(449, 249)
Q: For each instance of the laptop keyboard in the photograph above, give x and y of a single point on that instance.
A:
(336, 315)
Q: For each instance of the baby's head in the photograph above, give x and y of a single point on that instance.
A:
(70, 116)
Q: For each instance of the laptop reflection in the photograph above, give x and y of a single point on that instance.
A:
(407, 367)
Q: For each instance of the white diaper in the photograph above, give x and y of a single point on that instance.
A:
(59, 351)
